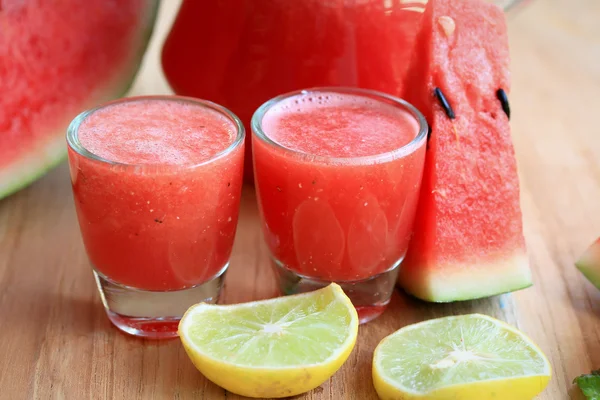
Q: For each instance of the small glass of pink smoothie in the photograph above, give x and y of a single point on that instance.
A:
(338, 172)
(157, 183)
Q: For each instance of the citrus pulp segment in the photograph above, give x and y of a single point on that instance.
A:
(272, 348)
(465, 357)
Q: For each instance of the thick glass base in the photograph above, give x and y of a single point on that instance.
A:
(370, 296)
(153, 314)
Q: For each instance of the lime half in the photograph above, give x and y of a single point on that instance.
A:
(272, 348)
(465, 357)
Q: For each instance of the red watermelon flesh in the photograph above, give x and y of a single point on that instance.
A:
(468, 237)
(57, 58)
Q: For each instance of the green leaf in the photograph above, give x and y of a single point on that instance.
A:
(589, 385)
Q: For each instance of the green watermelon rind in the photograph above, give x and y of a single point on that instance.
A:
(55, 150)
(491, 279)
(57, 154)
(591, 274)
(589, 265)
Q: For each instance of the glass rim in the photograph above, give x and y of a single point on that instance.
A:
(73, 130)
(397, 153)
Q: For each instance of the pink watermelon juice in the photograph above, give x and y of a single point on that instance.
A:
(254, 50)
(157, 184)
(338, 173)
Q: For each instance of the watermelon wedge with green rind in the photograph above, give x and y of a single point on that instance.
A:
(468, 237)
(58, 58)
(589, 263)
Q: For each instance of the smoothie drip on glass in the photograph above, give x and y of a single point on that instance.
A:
(157, 184)
(338, 175)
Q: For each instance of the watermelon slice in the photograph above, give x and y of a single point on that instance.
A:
(589, 263)
(57, 58)
(468, 238)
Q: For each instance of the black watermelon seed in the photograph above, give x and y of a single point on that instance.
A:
(501, 94)
(444, 103)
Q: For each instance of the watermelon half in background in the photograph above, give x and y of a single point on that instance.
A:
(58, 58)
(589, 263)
(468, 238)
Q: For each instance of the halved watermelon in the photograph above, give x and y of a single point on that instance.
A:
(57, 58)
(468, 238)
(589, 263)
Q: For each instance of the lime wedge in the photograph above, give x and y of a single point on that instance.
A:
(465, 357)
(272, 348)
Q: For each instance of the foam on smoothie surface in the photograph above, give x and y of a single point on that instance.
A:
(156, 132)
(339, 125)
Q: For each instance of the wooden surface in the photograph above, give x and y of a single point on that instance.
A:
(56, 342)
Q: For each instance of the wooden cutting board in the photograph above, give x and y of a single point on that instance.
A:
(55, 341)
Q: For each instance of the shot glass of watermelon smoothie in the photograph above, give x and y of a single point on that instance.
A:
(338, 172)
(157, 184)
